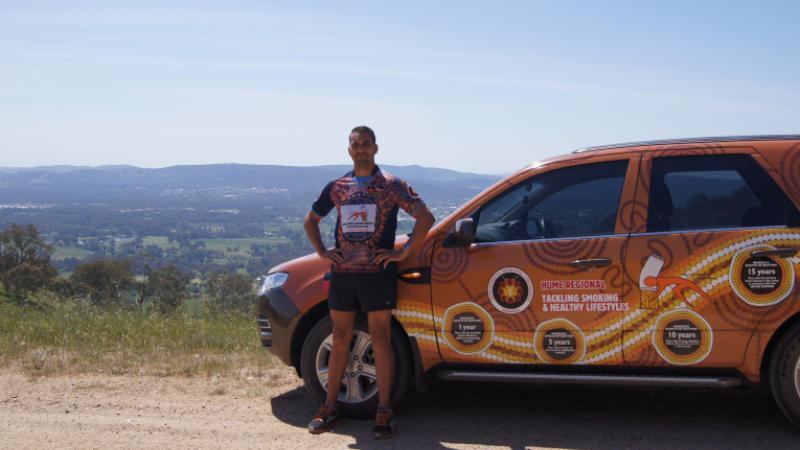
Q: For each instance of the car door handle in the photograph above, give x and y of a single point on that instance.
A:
(596, 262)
(779, 252)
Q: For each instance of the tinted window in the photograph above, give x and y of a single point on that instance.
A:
(571, 202)
(720, 191)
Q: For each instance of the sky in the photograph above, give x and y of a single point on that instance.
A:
(477, 86)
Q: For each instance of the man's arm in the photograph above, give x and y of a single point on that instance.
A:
(424, 222)
(311, 225)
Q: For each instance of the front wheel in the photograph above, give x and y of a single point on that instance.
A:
(784, 375)
(358, 395)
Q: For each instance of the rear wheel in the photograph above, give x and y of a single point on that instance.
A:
(784, 375)
(358, 395)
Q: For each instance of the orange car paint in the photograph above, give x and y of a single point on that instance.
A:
(695, 286)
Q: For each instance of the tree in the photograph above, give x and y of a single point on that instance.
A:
(62, 287)
(231, 291)
(103, 280)
(24, 260)
(26, 278)
(165, 288)
(153, 251)
(258, 266)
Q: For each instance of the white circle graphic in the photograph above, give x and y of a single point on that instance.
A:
(528, 285)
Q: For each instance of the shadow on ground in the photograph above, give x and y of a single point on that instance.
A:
(576, 417)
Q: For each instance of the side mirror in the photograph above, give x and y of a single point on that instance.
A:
(464, 233)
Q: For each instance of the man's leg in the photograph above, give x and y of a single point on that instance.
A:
(343, 324)
(380, 323)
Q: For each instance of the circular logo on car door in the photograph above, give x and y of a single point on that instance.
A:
(682, 337)
(559, 341)
(761, 281)
(467, 328)
(510, 290)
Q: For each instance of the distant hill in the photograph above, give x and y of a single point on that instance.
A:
(415, 172)
(210, 184)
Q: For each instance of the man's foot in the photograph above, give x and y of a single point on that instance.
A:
(322, 421)
(384, 423)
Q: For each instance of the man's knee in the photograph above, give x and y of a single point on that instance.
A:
(380, 329)
(342, 334)
(381, 338)
(343, 325)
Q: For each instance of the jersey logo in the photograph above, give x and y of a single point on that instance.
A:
(358, 220)
(355, 215)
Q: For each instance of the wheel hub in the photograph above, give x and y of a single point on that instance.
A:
(797, 377)
(359, 382)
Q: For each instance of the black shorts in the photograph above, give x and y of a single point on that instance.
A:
(363, 291)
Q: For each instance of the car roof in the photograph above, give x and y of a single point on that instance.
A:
(645, 145)
(695, 140)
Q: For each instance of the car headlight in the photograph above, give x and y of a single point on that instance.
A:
(272, 281)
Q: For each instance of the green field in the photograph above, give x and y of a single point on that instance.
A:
(160, 241)
(70, 252)
(222, 245)
(229, 248)
(287, 225)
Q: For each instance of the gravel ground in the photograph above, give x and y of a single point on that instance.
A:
(97, 411)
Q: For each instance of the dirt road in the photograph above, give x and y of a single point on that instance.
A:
(147, 412)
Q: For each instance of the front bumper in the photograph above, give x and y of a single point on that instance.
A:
(277, 319)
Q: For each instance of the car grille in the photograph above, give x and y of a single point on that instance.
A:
(265, 331)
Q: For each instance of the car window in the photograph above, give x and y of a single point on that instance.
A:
(504, 205)
(718, 191)
(570, 202)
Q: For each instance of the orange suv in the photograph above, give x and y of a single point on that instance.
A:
(662, 263)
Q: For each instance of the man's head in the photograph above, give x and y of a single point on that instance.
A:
(362, 146)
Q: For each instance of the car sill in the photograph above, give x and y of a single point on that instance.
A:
(622, 380)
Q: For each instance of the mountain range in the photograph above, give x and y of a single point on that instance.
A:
(210, 184)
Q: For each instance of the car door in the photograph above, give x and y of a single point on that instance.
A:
(710, 257)
(542, 278)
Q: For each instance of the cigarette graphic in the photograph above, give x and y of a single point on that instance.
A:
(359, 214)
(651, 285)
(649, 291)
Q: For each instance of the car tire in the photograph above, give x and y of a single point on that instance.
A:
(359, 397)
(784, 375)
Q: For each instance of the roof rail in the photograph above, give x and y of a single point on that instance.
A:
(697, 140)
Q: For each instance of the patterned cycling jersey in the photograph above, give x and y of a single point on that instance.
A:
(367, 216)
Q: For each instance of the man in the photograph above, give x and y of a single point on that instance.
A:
(364, 270)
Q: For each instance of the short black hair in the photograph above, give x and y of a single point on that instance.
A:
(364, 129)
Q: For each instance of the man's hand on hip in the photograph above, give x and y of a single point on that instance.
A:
(334, 255)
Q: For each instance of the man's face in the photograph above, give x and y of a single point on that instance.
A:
(362, 149)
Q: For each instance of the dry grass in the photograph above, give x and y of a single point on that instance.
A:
(67, 337)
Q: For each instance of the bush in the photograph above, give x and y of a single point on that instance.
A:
(164, 288)
(62, 288)
(24, 261)
(104, 281)
(231, 291)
